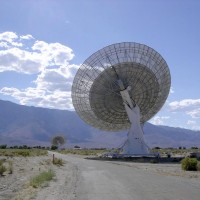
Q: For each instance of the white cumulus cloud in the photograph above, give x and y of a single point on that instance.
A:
(54, 53)
(191, 122)
(10, 38)
(26, 37)
(57, 79)
(188, 106)
(171, 90)
(42, 54)
(42, 98)
(21, 61)
(50, 62)
(194, 113)
(157, 120)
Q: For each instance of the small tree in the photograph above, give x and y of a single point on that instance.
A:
(189, 164)
(194, 147)
(58, 141)
(3, 146)
(53, 147)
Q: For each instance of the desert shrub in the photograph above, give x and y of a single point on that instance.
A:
(189, 164)
(53, 147)
(3, 146)
(194, 147)
(85, 152)
(2, 169)
(157, 148)
(10, 167)
(39, 152)
(58, 161)
(1, 162)
(23, 152)
(40, 179)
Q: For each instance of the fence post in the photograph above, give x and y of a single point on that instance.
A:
(53, 158)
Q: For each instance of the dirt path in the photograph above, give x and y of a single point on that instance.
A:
(64, 186)
(16, 186)
(83, 179)
(13, 185)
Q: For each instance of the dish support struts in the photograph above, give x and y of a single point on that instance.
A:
(135, 144)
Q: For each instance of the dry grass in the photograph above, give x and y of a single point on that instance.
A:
(85, 152)
(42, 178)
(2, 169)
(174, 151)
(23, 152)
(58, 161)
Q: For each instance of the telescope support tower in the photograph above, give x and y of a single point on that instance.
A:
(135, 144)
(121, 87)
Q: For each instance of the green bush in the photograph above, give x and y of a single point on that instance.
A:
(189, 164)
(53, 147)
(2, 169)
(23, 152)
(58, 161)
(3, 146)
(10, 166)
(40, 179)
(1, 162)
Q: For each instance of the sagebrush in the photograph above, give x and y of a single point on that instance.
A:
(189, 164)
(41, 178)
(58, 161)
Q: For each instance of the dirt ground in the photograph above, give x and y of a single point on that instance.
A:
(16, 186)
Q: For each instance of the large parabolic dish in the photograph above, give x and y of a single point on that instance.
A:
(96, 94)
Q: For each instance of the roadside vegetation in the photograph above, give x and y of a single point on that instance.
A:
(42, 179)
(84, 152)
(190, 164)
(2, 167)
(58, 161)
(7, 155)
(23, 152)
(181, 151)
(6, 166)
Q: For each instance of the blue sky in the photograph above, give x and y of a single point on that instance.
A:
(43, 42)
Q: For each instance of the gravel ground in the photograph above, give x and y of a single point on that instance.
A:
(13, 185)
(16, 186)
(165, 169)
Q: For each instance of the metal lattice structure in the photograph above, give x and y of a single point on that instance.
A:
(96, 94)
(58, 140)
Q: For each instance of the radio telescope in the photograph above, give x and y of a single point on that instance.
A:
(58, 141)
(121, 87)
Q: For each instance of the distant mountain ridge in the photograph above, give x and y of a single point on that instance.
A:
(36, 126)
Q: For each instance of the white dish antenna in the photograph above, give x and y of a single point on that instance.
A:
(122, 86)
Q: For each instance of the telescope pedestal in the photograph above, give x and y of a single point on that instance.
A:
(134, 144)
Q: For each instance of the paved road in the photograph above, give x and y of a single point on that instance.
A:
(103, 180)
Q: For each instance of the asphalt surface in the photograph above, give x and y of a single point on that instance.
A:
(105, 180)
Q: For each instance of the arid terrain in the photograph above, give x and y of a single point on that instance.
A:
(16, 186)
(84, 179)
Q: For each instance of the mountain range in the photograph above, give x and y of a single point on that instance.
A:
(28, 125)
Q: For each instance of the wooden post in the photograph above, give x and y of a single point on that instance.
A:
(53, 158)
